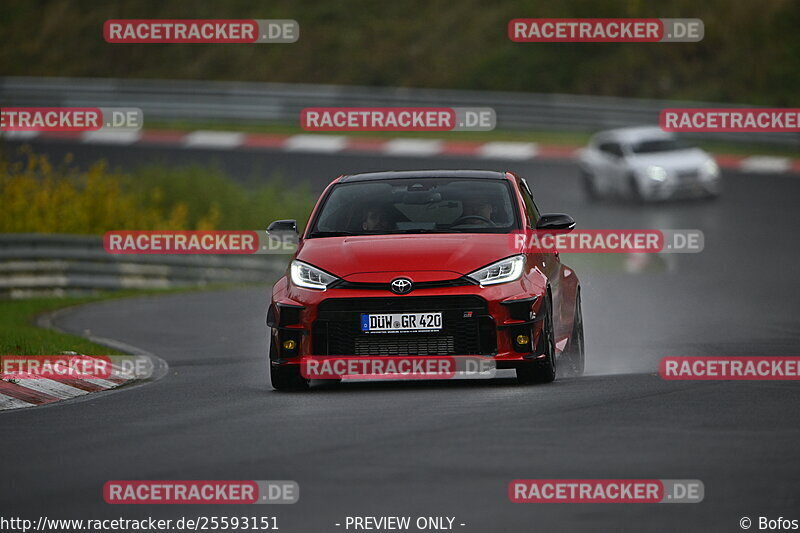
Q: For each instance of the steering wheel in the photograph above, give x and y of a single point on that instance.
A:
(460, 220)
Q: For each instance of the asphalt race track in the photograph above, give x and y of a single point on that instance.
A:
(451, 448)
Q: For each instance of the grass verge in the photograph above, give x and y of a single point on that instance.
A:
(20, 336)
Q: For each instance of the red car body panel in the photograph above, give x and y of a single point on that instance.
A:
(425, 258)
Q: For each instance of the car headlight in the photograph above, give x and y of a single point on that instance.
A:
(310, 277)
(656, 173)
(710, 168)
(503, 271)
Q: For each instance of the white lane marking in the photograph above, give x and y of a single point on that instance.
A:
(509, 150)
(51, 387)
(763, 163)
(22, 135)
(413, 147)
(213, 139)
(9, 402)
(111, 137)
(307, 142)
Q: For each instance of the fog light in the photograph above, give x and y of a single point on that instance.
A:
(523, 339)
(289, 345)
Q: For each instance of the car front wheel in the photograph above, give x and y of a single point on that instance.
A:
(589, 185)
(635, 190)
(543, 371)
(287, 378)
(575, 356)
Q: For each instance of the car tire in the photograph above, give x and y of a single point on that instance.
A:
(575, 353)
(286, 378)
(635, 190)
(589, 186)
(541, 371)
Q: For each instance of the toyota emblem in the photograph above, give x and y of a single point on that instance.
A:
(401, 286)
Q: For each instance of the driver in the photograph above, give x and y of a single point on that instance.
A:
(477, 207)
(376, 219)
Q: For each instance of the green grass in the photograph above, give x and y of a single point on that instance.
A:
(210, 195)
(20, 336)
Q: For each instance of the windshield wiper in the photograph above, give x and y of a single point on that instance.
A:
(332, 234)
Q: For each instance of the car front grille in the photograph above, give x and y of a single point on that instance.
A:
(467, 328)
(688, 175)
(399, 345)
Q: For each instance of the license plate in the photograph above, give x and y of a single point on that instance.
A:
(400, 322)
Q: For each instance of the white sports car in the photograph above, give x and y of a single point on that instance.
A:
(646, 163)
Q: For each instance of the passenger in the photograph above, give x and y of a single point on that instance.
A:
(376, 219)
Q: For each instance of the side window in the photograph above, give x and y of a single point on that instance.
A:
(611, 148)
(530, 206)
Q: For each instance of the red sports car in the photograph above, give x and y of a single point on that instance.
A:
(433, 246)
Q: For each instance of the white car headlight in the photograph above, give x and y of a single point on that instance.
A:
(656, 173)
(503, 271)
(310, 277)
(710, 168)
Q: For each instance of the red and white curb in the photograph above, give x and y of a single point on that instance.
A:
(333, 144)
(29, 392)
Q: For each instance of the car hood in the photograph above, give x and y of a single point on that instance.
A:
(674, 160)
(451, 255)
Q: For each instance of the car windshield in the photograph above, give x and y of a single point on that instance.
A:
(417, 205)
(659, 145)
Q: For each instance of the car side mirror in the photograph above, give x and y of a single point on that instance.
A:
(283, 226)
(556, 221)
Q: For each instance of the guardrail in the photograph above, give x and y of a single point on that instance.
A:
(249, 102)
(51, 264)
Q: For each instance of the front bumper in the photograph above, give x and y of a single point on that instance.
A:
(682, 185)
(502, 322)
